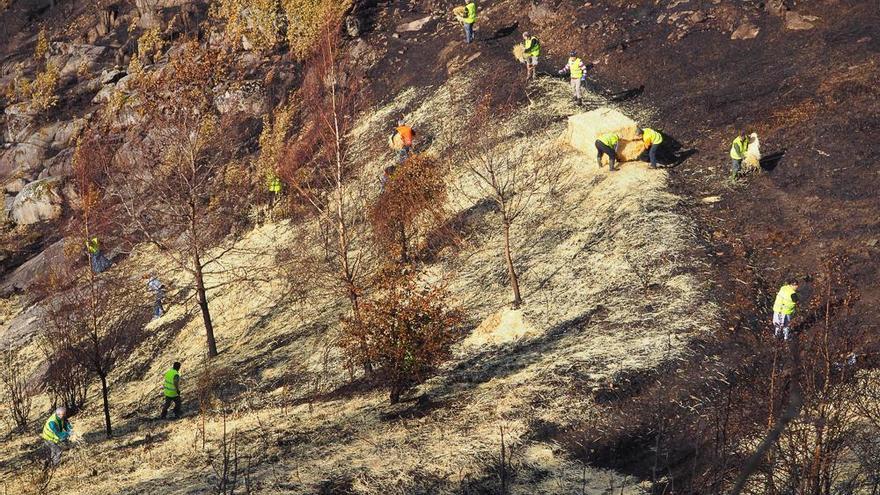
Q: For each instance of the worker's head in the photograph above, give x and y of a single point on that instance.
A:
(573, 53)
(401, 121)
(61, 412)
(640, 132)
(525, 35)
(176, 365)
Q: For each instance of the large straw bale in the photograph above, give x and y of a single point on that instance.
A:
(629, 149)
(752, 163)
(584, 128)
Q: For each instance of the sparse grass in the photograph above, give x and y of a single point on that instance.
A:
(588, 319)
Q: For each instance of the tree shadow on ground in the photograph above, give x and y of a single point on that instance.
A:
(771, 161)
(502, 32)
(464, 224)
(505, 360)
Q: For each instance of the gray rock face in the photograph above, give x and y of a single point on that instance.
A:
(248, 97)
(37, 202)
(15, 186)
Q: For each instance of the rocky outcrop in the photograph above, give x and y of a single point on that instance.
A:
(745, 31)
(799, 22)
(39, 201)
(249, 97)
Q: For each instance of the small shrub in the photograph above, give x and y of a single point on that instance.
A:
(42, 48)
(43, 92)
(406, 330)
(411, 204)
(306, 20)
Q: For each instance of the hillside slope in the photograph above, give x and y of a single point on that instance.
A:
(642, 357)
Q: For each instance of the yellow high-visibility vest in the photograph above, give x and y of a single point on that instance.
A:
(739, 148)
(574, 65)
(50, 435)
(171, 389)
(92, 245)
(471, 13)
(651, 136)
(609, 139)
(533, 46)
(784, 303)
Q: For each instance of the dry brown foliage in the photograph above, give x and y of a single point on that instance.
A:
(408, 328)
(411, 205)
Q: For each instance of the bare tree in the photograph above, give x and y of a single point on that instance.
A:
(176, 186)
(319, 171)
(93, 320)
(17, 396)
(515, 174)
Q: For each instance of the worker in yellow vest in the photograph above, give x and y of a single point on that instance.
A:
(577, 72)
(738, 153)
(783, 309)
(171, 390)
(273, 182)
(468, 20)
(607, 144)
(532, 51)
(97, 260)
(56, 431)
(652, 141)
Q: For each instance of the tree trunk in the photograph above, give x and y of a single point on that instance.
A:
(203, 304)
(356, 309)
(514, 281)
(105, 395)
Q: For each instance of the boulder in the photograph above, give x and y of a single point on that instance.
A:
(61, 165)
(20, 118)
(66, 133)
(416, 25)
(15, 186)
(798, 22)
(745, 31)
(38, 201)
(8, 201)
(248, 97)
(79, 56)
(24, 158)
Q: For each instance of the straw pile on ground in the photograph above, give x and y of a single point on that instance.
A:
(519, 52)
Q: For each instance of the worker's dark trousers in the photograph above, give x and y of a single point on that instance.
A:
(177, 407)
(734, 167)
(468, 32)
(652, 155)
(604, 149)
(53, 456)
